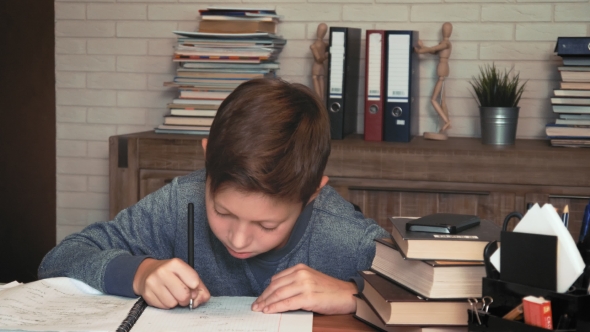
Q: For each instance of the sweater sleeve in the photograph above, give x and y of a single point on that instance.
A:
(105, 255)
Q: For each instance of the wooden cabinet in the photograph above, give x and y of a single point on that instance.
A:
(390, 179)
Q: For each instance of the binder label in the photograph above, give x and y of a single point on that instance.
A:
(336, 64)
(398, 71)
(374, 72)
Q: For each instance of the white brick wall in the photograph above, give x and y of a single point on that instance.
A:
(112, 57)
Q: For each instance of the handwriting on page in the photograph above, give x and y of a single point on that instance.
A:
(223, 314)
(59, 305)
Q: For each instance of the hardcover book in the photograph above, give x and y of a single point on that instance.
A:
(466, 246)
(365, 314)
(397, 306)
(431, 279)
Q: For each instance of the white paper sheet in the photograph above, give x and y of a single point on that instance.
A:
(60, 304)
(545, 221)
(63, 304)
(222, 314)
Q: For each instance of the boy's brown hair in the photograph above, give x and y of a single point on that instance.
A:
(270, 137)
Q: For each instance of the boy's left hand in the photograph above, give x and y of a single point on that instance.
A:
(301, 287)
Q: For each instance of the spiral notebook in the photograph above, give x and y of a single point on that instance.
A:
(64, 304)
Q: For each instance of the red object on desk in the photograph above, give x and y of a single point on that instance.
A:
(537, 312)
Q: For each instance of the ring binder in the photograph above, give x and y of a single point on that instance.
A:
(133, 315)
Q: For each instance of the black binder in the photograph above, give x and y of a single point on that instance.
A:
(343, 80)
(401, 86)
(573, 46)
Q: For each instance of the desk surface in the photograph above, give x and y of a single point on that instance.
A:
(334, 323)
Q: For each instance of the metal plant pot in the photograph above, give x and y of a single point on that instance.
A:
(498, 125)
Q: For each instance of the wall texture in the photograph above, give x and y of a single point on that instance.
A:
(112, 57)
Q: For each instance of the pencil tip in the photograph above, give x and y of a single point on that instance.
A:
(566, 209)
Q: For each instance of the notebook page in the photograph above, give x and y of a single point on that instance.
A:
(222, 313)
(60, 304)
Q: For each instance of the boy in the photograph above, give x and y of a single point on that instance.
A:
(266, 224)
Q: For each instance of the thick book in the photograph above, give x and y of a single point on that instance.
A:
(571, 143)
(431, 279)
(465, 246)
(575, 76)
(579, 109)
(365, 314)
(179, 127)
(190, 112)
(572, 122)
(188, 120)
(576, 61)
(571, 93)
(237, 26)
(189, 106)
(396, 305)
(571, 131)
(574, 85)
(570, 101)
(447, 223)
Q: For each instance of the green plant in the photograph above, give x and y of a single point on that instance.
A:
(494, 88)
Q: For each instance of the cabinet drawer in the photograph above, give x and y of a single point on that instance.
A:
(151, 180)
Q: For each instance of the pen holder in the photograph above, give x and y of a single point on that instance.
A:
(492, 323)
(507, 295)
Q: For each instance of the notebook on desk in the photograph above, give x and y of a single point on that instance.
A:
(64, 304)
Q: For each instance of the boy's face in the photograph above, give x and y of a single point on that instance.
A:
(249, 224)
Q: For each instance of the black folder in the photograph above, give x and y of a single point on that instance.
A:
(401, 86)
(343, 80)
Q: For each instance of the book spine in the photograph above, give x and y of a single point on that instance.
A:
(133, 315)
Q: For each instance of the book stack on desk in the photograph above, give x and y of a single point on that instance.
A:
(571, 102)
(231, 46)
(421, 280)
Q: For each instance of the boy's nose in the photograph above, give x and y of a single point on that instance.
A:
(239, 236)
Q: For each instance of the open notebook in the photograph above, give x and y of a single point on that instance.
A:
(64, 304)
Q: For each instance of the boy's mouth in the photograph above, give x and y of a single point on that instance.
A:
(240, 255)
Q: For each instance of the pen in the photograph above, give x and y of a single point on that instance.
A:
(191, 243)
(566, 216)
(585, 224)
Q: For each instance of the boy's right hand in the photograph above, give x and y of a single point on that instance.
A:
(168, 283)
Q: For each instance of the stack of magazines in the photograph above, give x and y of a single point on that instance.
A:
(212, 64)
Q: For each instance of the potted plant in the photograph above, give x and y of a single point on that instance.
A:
(497, 94)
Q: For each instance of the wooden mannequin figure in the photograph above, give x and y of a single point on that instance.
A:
(438, 100)
(320, 55)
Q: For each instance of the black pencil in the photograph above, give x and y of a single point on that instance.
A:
(191, 242)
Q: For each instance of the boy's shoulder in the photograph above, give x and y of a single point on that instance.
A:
(197, 176)
(333, 206)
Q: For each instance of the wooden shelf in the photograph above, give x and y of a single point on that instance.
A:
(458, 175)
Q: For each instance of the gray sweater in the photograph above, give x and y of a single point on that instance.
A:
(337, 241)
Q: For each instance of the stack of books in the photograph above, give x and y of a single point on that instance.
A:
(571, 102)
(232, 46)
(421, 281)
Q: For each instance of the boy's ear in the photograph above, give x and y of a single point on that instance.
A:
(204, 145)
(323, 182)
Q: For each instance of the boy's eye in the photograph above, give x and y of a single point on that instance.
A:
(221, 214)
(267, 229)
